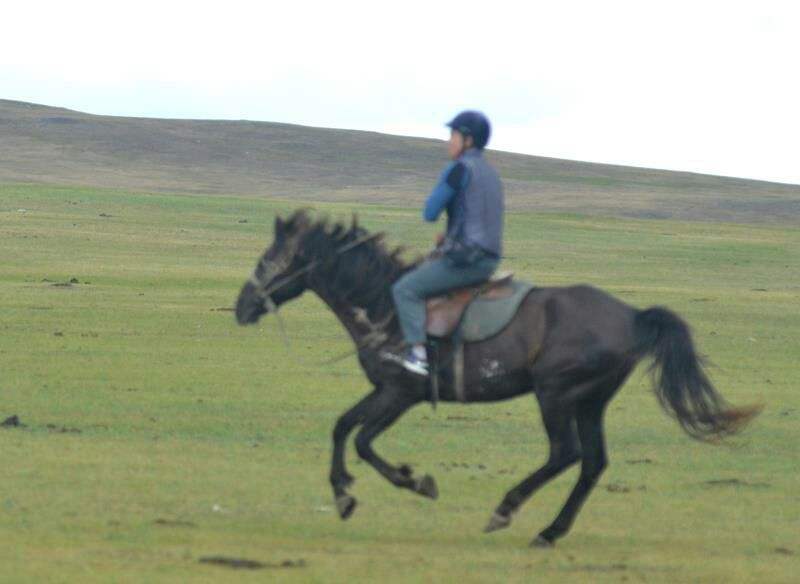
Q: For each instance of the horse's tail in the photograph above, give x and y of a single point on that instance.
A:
(679, 380)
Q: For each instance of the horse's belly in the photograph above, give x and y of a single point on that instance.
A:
(492, 383)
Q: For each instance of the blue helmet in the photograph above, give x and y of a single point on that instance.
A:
(472, 123)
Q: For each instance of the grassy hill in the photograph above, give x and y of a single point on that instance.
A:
(47, 145)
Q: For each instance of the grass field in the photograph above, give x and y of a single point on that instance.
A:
(157, 432)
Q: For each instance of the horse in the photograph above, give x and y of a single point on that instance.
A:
(572, 347)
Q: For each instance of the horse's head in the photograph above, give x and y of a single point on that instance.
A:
(279, 275)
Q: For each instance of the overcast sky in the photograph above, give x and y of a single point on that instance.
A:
(709, 87)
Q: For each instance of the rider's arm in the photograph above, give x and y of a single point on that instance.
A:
(451, 182)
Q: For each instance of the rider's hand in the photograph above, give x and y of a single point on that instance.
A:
(439, 239)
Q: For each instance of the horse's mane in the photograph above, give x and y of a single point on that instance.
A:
(362, 275)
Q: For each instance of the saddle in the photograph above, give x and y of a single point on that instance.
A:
(445, 313)
(470, 314)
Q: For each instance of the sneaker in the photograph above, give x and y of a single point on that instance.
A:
(415, 364)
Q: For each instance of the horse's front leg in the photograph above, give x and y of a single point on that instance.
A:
(339, 477)
(388, 406)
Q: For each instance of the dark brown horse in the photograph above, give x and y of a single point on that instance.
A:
(571, 347)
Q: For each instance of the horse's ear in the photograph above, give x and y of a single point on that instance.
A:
(299, 221)
(279, 224)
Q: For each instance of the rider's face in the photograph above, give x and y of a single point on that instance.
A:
(457, 144)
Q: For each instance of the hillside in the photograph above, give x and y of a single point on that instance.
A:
(48, 145)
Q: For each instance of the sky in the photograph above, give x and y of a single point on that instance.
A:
(701, 86)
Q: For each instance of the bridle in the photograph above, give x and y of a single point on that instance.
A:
(272, 267)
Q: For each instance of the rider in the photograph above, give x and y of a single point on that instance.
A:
(469, 252)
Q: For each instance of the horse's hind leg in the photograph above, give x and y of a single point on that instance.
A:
(589, 417)
(389, 406)
(340, 479)
(564, 451)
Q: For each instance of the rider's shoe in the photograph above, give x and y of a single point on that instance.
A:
(415, 364)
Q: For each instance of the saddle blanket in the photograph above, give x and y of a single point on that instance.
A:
(485, 318)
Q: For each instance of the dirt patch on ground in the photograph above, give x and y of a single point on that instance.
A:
(640, 461)
(244, 564)
(783, 551)
(620, 488)
(597, 568)
(173, 523)
(15, 422)
(735, 483)
(63, 429)
(448, 466)
(12, 422)
(66, 284)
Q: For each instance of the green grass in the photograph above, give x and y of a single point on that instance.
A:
(144, 402)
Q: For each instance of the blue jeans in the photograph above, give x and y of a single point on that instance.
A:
(433, 278)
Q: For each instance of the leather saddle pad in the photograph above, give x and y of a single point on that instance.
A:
(481, 311)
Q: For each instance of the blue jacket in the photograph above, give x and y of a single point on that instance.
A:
(471, 192)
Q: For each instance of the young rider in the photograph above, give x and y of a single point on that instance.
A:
(471, 193)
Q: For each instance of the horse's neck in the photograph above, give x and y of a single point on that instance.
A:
(365, 333)
(359, 293)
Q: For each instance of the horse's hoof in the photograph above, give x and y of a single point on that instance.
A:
(542, 542)
(497, 522)
(426, 487)
(345, 505)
